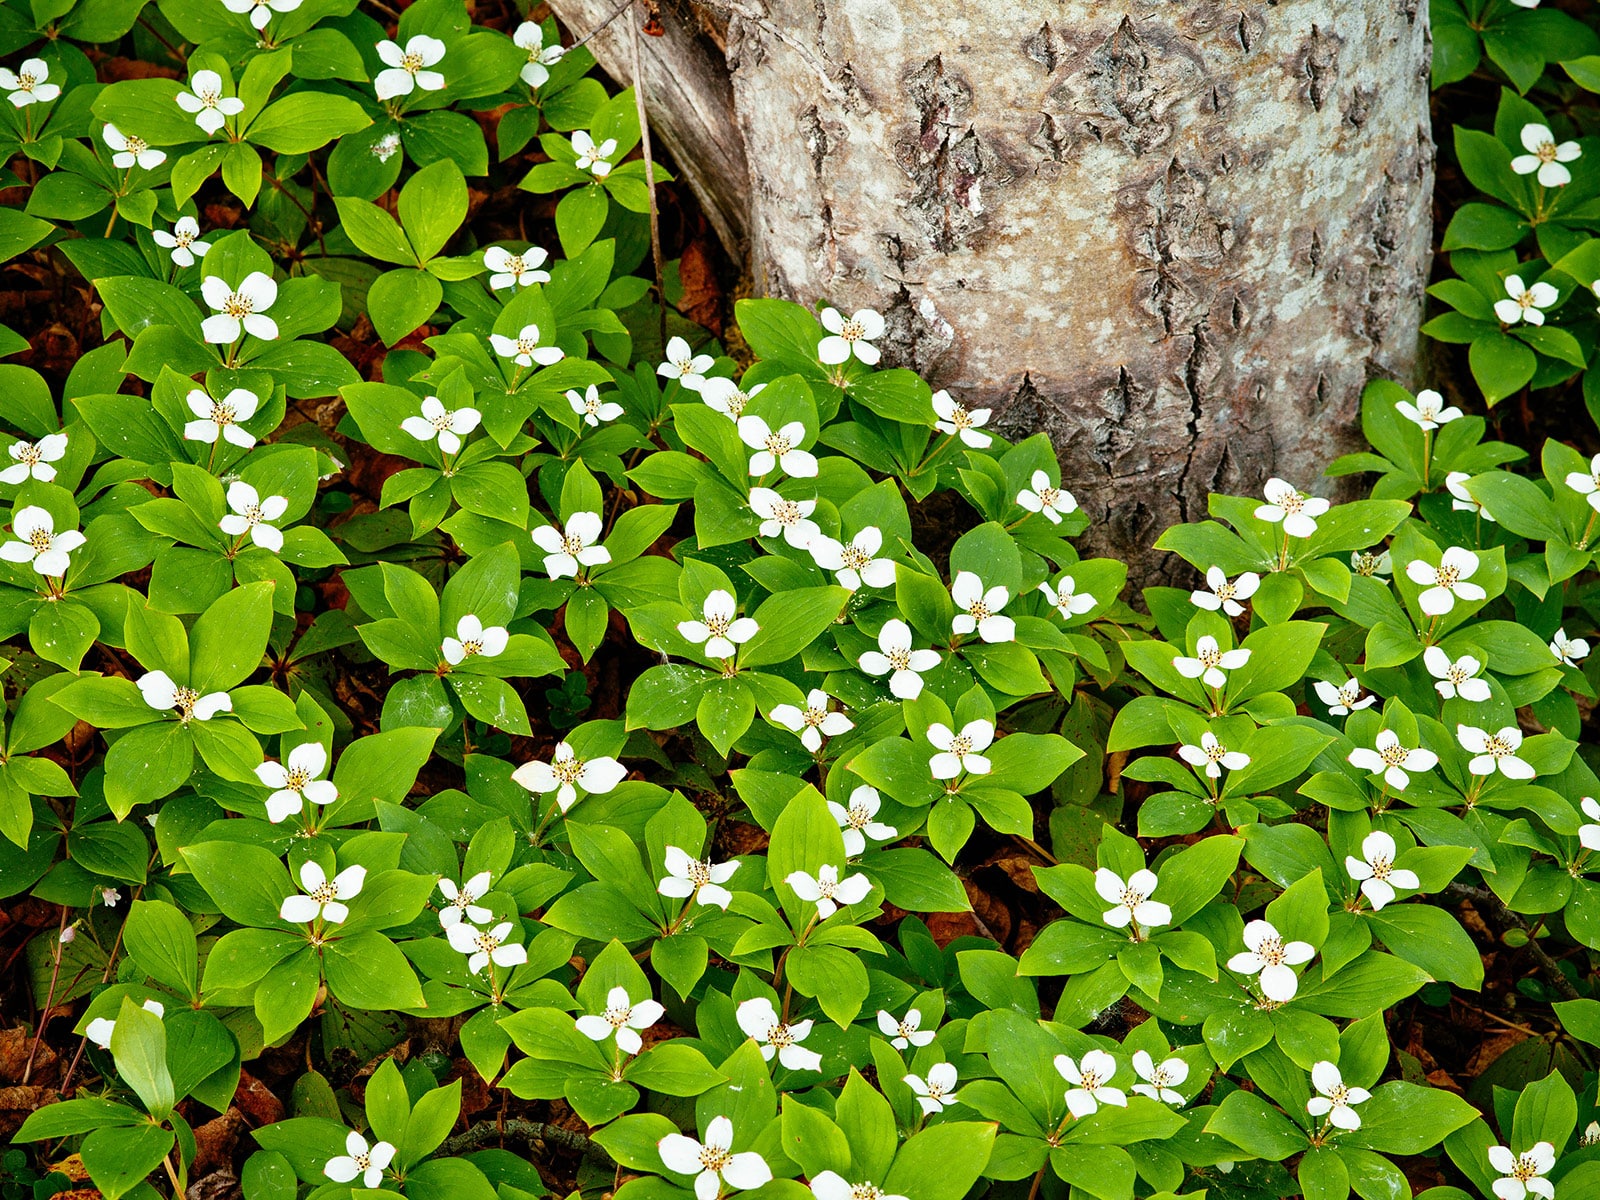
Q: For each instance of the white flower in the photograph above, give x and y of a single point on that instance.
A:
(27, 85)
(1041, 496)
(483, 946)
(622, 1018)
(827, 891)
(1287, 504)
(856, 823)
(714, 1163)
(514, 271)
(1225, 595)
(1587, 485)
(566, 552)
(1591, 1134)
(1447, 582)
(1568, 651)
(938, 1091)
(1392, 760)
(791, 518)
(1367, 564)
(1429, 412)
(1131, 899)
(847, 336)
(760, 1021)
(182, 241)
(778, 449)
(904, 1032)
(296, 781)
(684, 365)
(39, 543)
(1089, 1079)
(1065, 599)
(1458, 678)
(812, 723)
(1461, 500)
(206, 103)
(1272, 957)
(829, 1185)
(359, 1160)
(251, 515)
(524, 349)
(1336, 1099)
(722, 631)
(1523, 1173)
(260, 13)
(597, 161)
(980, 609)
(463, 900)
(1213, 756)
(1525, 303)
(385, 147)
(110, 897)
(323, 897)
(854, 564)
(1344, 698)
(473, 639)
(727, 397)
(160, 692)
(99, 1030)
(958, 752)
(1210, 662)
(1492, 751)
(1589, 833)
(955, 420)
(33, 459)
(221, 417)
(565, 773)
(1160, 1079)
(407, 69)
(530, 37)
(130, 149)
(1545, 156)
(591, 407)
(1376, 872)
(437, 421)
(894, 654)
(700, 878)
(239, 311)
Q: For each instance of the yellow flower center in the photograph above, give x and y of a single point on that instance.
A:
(40, 540)
(325, 894)
(411, 63)
(237, 304)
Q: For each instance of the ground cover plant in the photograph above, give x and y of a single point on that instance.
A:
(471, 733)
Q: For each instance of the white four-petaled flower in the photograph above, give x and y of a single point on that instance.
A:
(1211, 662)
(813, 722)
(1161, 1080)
(1525, 1172)
(1066, 599)
(1587, 484)
(1088, 1076)
(622, 1018)
(33, 459)
(826, 890)
(1130, 899)
(474, 639)
(1220, 593)
(713, 1162)
(858, 822)
(1494, 751)
(895, 658)
(1461, 500)
(778, 449)
(577, 546)
(1213, 756)
(1287, 505)
(1342, 698)
(904, 1032)
(1392, 760)
(1524, 303)
(26, 85)
(39, 543)
(1337, 1097)
(980, 609)
(1272, 959)
(183, 241)
(1569, 652)
(446, 425)
(483, 946)
(295, 780)
(597, 161)
(853, 563)
(525, 350)
(241, 310)
(684, 365)
(360, 1161)
(324, 897)
(530, 37)
(1589, 832)
(591, 406)
(830, 1185)
(160, 692)
(1041, 496)
(406, 70)
(700, 878)
(958, 752)
(937, 1091)
(463, 901)
(1458, 678)
(510, 270)
(959, 421)
(727, 397)
(565, 773)
(205, 102)
(722, 631)
(252, 515)
(760, 1021)
(790, 519)
(1545, 157)
(1429, 412)
(129, 149)
(1448, 582)
(850, 335)
(221, 418)
(1375, 870)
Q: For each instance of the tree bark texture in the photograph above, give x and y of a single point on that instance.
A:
(1177, 235)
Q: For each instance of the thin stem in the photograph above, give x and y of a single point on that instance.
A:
(649, 177)
(49, 998)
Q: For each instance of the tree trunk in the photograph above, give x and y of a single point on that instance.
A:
(1178, 235)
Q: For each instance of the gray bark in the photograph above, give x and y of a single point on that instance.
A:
(1177, 235)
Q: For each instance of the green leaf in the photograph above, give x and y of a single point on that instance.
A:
(139, 1046)
(162, 943)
